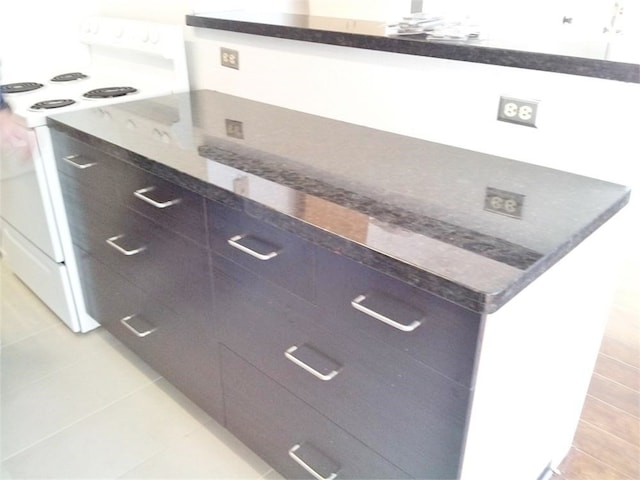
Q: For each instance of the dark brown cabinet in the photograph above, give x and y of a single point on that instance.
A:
(325, 367)
(144, 266)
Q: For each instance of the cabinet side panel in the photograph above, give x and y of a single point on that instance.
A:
(537, 356)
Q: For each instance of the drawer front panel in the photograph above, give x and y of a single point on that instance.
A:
(276, 255)
(171, 206)
(405, 411)
(367, 304)
(89, 215)
(156, 260)
(156, 333)
(273, 423)
(90, 167)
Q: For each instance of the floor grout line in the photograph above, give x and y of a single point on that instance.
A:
(622, 362)
(83, 418)
(612, 467)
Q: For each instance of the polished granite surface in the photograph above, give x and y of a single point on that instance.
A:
(416, 210)
(531, 53)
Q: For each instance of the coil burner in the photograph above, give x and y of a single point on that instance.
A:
(20, 87)
(69, 77)
(109, 92)
(51, 104)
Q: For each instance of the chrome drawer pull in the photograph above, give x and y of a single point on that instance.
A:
(141, 195)
(234, 242)
(70, 160)
(357, 304)
(125, 322)
(307, 467)
(322, 376)
(112, 242)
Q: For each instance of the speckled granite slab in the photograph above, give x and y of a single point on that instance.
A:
(419, 211)
(529, 53)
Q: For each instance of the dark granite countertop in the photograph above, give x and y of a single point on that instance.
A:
(372, 35)
(416, 210)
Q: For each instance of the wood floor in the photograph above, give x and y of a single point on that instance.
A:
(607, 443)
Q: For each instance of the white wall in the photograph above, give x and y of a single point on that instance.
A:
(40, 35)
(585, 125)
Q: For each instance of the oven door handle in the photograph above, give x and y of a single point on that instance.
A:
(70, 159)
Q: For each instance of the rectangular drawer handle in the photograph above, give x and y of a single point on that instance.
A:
(405, 327)
(112, 243)
(235, 243)
(141, 195)
(137, 333)
(293, 454)
(289, 353)
(71, 159)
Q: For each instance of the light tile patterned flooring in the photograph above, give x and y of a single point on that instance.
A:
(83, 406)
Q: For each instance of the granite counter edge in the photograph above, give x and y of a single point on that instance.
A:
(588, 67)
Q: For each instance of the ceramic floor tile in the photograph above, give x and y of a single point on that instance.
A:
(21, 313)
(114, 440)
(273, 475)
(209, 452)
(46, 352)
(69, 395)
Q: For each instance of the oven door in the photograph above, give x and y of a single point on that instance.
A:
(25, 203)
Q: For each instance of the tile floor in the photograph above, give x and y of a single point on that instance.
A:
(83, 406)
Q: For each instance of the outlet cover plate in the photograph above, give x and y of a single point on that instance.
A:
(504, 202)
(234, 128)
(518, 111)
(229, 58)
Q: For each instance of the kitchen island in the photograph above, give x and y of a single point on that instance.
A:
(349, 302)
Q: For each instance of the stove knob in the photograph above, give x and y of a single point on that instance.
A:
(165, 137)
(106, 115)
(118, 31)
(131, 125)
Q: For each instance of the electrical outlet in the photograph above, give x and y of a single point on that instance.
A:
(229, 58)
(234, 128)
(518, 111)
(504, 202)
(241, 185)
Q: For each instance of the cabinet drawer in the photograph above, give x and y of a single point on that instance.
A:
(156, 333)
(170, 205)
(365, 303)
(158, 261)
(275, 254)
(285, 431)
(89, 166)
(401, 409)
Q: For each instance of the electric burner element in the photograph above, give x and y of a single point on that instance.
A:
(51, 104)
(109, 92)
(20, 87)
(69, 77)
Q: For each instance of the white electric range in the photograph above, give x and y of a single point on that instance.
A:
(126, 60)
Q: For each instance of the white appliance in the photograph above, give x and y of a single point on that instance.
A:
(126, 60)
